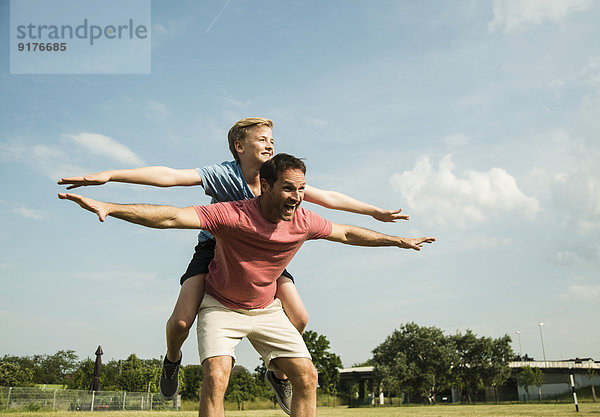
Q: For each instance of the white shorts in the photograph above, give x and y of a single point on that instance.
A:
(220, 329)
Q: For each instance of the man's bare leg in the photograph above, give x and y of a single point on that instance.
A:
(184, 314)
(304, 379)
(214, 385)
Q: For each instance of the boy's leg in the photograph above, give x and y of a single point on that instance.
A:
(214, 385)
(293, 307)
(178, 328)
(184, 314)
(303, 375)
(292, 303)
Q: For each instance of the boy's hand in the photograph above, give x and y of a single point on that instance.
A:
(98, 207)
(93, 179)
(390, 215)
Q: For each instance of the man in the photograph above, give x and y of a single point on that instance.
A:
(256, 240)
(251, 143)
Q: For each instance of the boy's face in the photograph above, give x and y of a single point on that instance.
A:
(257, 147)
(283, 199)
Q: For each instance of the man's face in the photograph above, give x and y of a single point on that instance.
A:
(258, 145)
(284, 197)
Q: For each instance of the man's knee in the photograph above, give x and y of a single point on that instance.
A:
(310, 376)
(302, 373)
(216, 374)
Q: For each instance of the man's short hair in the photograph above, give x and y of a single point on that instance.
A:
(240, 129)
(271, 169)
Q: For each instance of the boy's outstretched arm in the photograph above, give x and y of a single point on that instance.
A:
(158, 176)
(339, 201)
(358, 236)
(158, 217)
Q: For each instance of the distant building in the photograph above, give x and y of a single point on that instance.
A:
(556, 380)
(556, 376)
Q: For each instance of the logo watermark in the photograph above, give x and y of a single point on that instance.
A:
(80, 37)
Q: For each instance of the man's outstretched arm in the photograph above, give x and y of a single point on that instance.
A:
(158, 217)
(358, 236)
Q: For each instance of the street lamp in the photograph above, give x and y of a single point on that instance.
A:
(520, 351)
(542, 339)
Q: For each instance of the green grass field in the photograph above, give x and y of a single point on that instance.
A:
(514, 410)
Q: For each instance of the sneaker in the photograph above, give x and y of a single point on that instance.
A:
(282, 389)
(169, 379)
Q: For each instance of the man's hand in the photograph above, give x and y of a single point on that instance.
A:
(359, 236)
(390, 215)
(92, 179)
(100, 208)
(417, 242)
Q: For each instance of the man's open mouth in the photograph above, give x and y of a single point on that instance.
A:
(289, 208)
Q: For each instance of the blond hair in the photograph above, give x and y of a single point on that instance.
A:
(240, 129)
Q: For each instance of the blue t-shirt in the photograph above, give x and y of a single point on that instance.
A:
(223, 182)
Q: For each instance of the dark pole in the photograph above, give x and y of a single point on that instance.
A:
(95, 386)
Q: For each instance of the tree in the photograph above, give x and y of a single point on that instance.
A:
(499, 370)
(52, 369)
(530, 377)
(479, 362)
(525, 358)
(192, 382)
(326, 362)
(368, 362)
(538, 380)
(13, 375)
(464, 370)
(415, 360)
(82, 376)
(591, 373)
(526, 379)
(263, 389)
(47, 369)
(242, 387)
(139, 375)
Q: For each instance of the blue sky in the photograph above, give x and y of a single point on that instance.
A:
(478, 118)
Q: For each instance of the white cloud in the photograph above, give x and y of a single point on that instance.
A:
(120, 279)
(28, 213)
(512, 14)
(445, 198)
(106, 146)
(567, 258)
(457, 139)
(586, 293)
(157, 109)
(236, 103)
(490, 242)
(166, 30)
(50, 161)
(577, 194)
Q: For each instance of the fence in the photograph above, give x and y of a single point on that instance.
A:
(12, 398)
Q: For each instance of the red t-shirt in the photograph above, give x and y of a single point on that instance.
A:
(251, 252)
